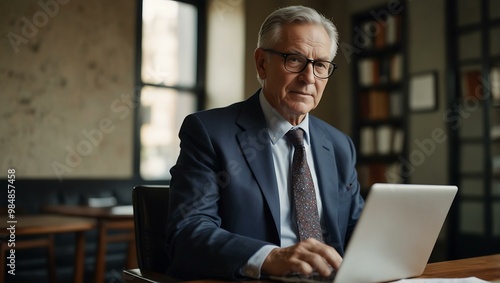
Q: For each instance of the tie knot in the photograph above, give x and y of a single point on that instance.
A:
(296, 137)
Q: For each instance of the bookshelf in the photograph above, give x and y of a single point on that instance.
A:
(379, 85)
(474, 124)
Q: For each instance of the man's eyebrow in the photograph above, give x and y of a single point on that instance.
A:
(295, 52)
(327, 59)
(315, 59)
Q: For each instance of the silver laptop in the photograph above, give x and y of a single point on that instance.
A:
(395, 234)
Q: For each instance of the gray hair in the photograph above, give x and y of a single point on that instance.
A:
(270, 31)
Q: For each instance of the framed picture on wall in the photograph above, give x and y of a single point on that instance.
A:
(423, 92)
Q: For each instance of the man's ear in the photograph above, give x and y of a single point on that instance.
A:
(260, 62)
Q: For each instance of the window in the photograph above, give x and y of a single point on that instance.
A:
(169, 80)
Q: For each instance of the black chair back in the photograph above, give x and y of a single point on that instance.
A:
(150, 219)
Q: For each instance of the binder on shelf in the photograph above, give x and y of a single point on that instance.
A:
(384, 71)
(392, 174)
(377, 172)
(391, 30)
(380, 35)
(369, 72)
(384, 140)
(365, 67)
(396, 68)
(368, 174)
(376, 72)
(367, 29)
(364, 106)
(398, 141)
(380, 96)
(367, 140)
(396, 104)
(471, 83)
(363, 175)
(379, 104)
(399, 27)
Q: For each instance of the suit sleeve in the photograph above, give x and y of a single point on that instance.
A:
(197, 245)
(357, 202)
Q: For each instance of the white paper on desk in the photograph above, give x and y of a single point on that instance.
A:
(443, 280)
(122, 210)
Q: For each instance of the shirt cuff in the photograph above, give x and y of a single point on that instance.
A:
(254, 264)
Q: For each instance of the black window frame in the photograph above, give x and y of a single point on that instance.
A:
(198, 89)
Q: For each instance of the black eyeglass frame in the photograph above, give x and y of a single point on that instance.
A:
(285, 55)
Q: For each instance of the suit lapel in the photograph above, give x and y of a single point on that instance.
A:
(256, 148)
(326, 171)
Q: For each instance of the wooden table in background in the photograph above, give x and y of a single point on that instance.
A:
(120, 218)
(46, 226)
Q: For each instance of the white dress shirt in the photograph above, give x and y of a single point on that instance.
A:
(282, 151)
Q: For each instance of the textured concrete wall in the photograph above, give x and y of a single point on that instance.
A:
(67, 81)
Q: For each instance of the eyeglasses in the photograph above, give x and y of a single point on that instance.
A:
(297, 63)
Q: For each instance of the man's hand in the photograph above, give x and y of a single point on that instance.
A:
(304, 258)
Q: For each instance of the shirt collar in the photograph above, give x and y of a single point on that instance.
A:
(277, 125)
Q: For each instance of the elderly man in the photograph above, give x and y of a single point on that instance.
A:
(262, 187)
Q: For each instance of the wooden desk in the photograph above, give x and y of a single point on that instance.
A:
(109, 218)
(46, 226)
(485, 267)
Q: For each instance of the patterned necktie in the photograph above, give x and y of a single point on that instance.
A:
(304, 195)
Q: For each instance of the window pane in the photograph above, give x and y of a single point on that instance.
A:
(472, 187)
(471, 103)
(496, 187)
(495, 159)
(472, 217)
(469, 12)
(496, 219)
(495, 41)
(471, 116)
(163, 111)
(494, 9)
(169, 43)
(469, 46)
(472, 158)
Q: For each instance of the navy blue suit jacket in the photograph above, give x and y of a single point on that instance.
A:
(224, 202)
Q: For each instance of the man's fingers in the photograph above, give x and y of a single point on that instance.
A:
(318, 264)
(330, 257)
(305, 257)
